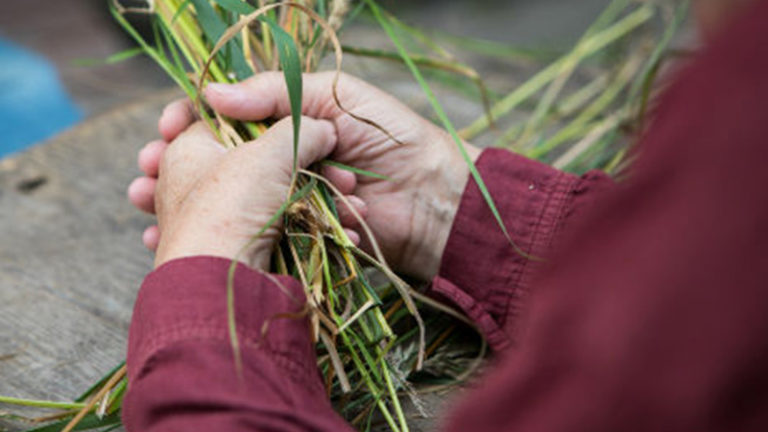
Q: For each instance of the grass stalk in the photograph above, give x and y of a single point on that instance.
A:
(590, 46)
(41, 403)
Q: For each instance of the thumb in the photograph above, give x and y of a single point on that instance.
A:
(317, 139)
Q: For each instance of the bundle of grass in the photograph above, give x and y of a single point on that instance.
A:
(374, 344)
(591, 125)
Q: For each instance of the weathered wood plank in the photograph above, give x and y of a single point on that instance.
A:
(71, 257)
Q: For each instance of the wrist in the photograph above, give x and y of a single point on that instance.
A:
(436, 208)
(220, 240)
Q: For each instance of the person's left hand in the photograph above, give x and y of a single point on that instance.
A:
(210, 201)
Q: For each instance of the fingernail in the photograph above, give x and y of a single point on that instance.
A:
(222, 89)
(354, 237)
(358, 204)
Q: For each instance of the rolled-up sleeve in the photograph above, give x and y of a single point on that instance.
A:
(484, 273)
(181, 367)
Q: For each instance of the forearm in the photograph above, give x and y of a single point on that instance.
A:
(181, 364)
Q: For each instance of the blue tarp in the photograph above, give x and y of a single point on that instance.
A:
(33, 103)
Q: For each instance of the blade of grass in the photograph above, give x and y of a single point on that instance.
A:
(593, 44)
(91, 421)
(596, 108)
(112, 59)
(393, 395)
(108, 386)
(594, 136)
(355, 170)
(151, 52)
(568, 67)
(449, 65)
(291, 66)
(498, 50)
(182, 7)
(213, 27)
(100, 383)
(650, 69)
(237, 6)
(41, 403)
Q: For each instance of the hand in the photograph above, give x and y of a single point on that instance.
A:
(210, 201)
(410, 214)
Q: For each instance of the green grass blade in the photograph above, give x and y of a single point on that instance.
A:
(236, 6)
(569, 66)
(356, 170)
(100, 383)
(498, 50)
(180, 10)
(114, 58)
(41, 403)
(444, 120)
(593, 44)
(171, 44)
(291, 65)
(173, 72)
(649, 70)
(213, 27)
(587, 116)
(91, 421)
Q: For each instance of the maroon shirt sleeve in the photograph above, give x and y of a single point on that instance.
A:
(652, 315)
(181, 367)
(484, 274)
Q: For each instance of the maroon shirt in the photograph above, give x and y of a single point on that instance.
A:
(650, 313)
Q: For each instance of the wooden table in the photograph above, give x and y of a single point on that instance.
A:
(71, 257)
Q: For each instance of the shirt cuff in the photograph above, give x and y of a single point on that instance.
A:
(185, 300)
(481, 271)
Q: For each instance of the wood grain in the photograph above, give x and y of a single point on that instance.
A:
(71, 258)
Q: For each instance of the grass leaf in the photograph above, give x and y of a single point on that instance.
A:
(160, 59)
(213, 27)
(590, 46)
(291, 66)
(91, 421)
(94, 388)
(356, 170)
(180, 10)
(236, 6)
(114, 58)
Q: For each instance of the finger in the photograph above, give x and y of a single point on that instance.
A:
(176, 117)
(354, 237)
(317, 139)
(346, 216)
(265, 95)
(141, 193)
(344, 181)
(189, 155)
(150, 155)
(151, 237)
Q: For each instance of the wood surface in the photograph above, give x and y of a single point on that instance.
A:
(71, 257)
